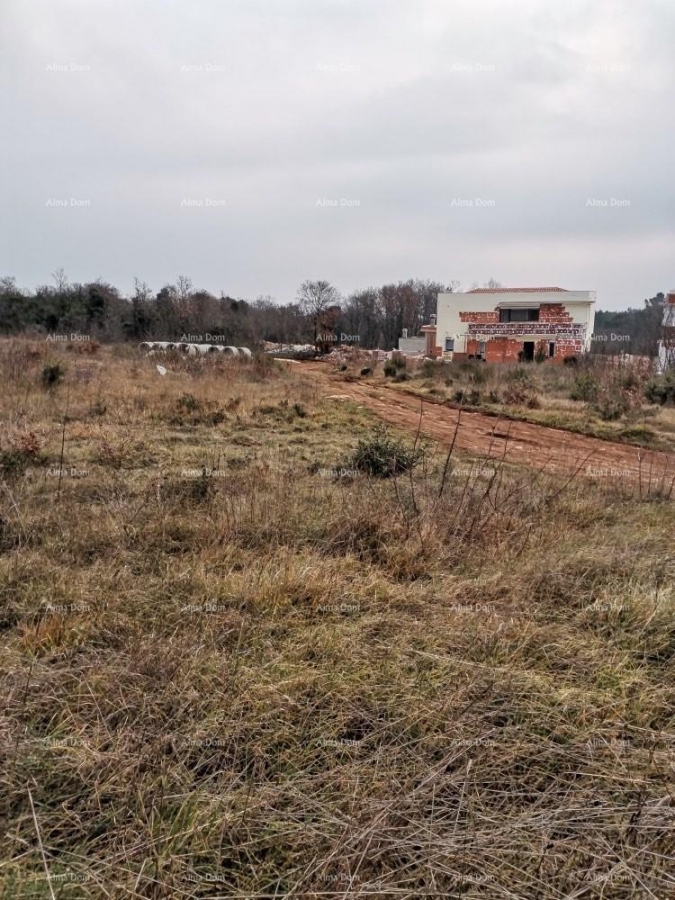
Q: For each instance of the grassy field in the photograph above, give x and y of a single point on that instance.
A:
(236, 666)
(599, 397)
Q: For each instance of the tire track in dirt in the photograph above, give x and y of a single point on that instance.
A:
(518, 442)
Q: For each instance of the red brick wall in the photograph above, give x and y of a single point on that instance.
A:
(480, 318)
(567, 348)
(502, 349)
(505, 350)
(554, 313)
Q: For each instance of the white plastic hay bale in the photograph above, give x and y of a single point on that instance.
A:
(230, 351)
(161, 345)
(183, 347)
(245, 353)
(145, 346)
(213, 348)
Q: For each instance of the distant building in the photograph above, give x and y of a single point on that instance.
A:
(667, 344)
(512, 324)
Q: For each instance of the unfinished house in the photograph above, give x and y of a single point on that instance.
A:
(512, 324)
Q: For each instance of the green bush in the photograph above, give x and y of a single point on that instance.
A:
(661, 389)
(393, 366)
(585, 387)
(380, 455)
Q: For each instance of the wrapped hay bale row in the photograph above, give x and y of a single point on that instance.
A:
(193, 349)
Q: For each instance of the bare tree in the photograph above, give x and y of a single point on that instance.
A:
(184, 294)
(61, 280)
(142, 292)
(315, 297)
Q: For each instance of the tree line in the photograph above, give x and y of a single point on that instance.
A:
(320, 314)
(374, 317)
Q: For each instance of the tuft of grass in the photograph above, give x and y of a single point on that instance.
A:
(380, 455)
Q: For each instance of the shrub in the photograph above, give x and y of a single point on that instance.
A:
(520, 375)
(191, 411)
(521, 394)
(470, 398)
(393, 366)
(629, 379)
(187, 403)
(52, 375)
(380, 455)
(661, 389)
(611, 404)
(585, 387)
(16, 455)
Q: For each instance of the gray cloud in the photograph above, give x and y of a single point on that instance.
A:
(254, 144)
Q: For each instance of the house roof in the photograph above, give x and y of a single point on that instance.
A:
(526, 290)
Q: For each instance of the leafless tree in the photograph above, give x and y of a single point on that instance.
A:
(315, 297)
(61, 280)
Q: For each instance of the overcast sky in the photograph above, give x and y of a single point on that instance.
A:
(251, 144)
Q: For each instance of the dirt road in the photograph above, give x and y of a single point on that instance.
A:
(488, 436)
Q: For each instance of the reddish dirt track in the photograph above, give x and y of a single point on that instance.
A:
(523, 443)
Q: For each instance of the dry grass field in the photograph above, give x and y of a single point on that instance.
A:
(234, 665)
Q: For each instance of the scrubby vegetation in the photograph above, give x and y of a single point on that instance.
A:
(607, 397)
(231, 668)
